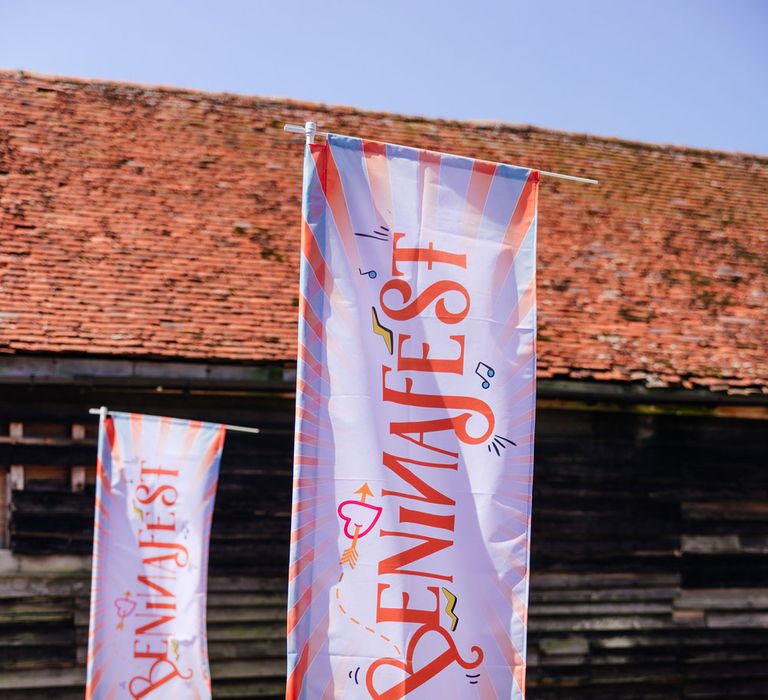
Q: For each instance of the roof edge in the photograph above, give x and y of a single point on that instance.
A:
(56, 369)
(490, 125)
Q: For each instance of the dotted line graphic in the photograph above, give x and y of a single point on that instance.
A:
(357, 622)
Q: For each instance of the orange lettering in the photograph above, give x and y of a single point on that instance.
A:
(428, 493)
(421, 428)
(429, 545)
(428, 255)
(157, 525)
(163, 591)
(148, 654)
(404, 613)
(150, 496)
(157, 471)
(417, 677)
(161, 620)
(456, 423)
(426, 363)
(423, 300)
(444, 522)
(144, 685)
(181, 563)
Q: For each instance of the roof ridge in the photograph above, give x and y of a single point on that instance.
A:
(309, 104)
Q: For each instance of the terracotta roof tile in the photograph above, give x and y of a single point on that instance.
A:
(142, 221)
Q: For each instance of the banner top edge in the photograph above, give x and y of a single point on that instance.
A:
(296, 128)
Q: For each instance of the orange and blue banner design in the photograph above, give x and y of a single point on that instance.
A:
(414, 430)
(155, 490)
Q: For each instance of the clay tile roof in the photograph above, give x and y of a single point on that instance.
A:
(162, 223)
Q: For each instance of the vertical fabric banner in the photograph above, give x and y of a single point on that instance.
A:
(155, 489)
(414, 432)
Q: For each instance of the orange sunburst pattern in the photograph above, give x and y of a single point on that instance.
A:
(413, 449)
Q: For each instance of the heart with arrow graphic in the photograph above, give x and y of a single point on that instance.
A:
(359, 519)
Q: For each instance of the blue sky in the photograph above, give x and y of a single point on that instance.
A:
(691, 72)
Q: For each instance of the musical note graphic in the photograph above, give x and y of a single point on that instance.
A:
(370, 273)
(489, 371)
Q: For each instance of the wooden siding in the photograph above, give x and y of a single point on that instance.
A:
(649, 568)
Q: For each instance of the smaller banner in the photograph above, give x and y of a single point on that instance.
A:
(155, 489)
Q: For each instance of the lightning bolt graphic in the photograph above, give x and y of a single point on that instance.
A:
(378, 329)
(138, 511)
(449, 607)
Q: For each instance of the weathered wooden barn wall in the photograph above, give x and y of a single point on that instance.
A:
(650, 536)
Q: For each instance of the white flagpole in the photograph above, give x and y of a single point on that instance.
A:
(310, 131)
(236, 428)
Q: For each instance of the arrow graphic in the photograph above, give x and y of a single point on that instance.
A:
(364, 492)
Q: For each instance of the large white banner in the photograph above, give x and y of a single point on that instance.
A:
(414, 432)
(155, 489)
